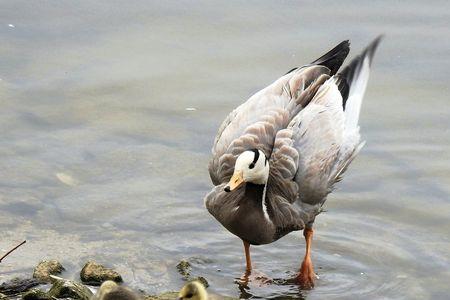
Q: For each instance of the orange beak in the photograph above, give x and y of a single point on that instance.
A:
(236, 180)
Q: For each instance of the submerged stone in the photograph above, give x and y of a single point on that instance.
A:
(94, 274)
(46, 268)
(63, 288)
(184, 268)
(18, 286)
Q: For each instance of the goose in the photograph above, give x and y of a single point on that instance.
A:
(110, 290)
(196, 290)
(193, 290)
(278, 155)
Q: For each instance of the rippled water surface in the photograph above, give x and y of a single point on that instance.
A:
(101, 159)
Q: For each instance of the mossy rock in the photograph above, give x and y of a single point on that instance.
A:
(94, 274)
(36, 294)
(184, 268)
(69, 289)
(3, 297)
(46, 268)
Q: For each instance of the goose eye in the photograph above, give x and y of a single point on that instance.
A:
(189, 295)
(251, 166)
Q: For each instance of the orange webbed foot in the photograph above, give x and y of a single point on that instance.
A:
(306, 278)
(255, 277)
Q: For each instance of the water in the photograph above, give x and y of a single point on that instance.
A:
(99, 158)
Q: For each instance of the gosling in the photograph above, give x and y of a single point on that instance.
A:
(193, 290)
(109, 290)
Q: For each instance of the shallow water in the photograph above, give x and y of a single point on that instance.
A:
(100, 159)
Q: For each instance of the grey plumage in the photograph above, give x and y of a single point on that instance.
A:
(309, 140)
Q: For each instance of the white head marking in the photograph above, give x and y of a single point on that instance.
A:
(254, 166)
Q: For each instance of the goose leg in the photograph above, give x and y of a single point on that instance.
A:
(249, 275)
(307, 276)
(245, 279)
(248, 260)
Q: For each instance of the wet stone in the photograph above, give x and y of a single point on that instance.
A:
(184, 268)
(94, 274)
(46, 268)
(36, 294)
(69, 289)
(18, 286)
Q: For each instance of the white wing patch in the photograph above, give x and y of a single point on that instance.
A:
(264, 206)
(356, 93)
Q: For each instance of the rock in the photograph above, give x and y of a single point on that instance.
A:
(3, 297)
(63, 288)
(36, 294)
(46, 268)
(94, 274)
(184, 268)
(17, 286)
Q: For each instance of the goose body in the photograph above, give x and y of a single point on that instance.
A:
(277, 156)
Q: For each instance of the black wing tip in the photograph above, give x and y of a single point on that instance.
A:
(370, 50)
(345, 77)
(334, 58)
(344, 43)
(344, 88)
(355, 63)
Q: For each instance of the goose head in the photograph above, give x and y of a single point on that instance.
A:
(251, 166)
(193, 290)
(109, 290)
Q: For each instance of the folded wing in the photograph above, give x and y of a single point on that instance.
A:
(322, 139)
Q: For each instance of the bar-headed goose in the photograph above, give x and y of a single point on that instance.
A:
(277, 156)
